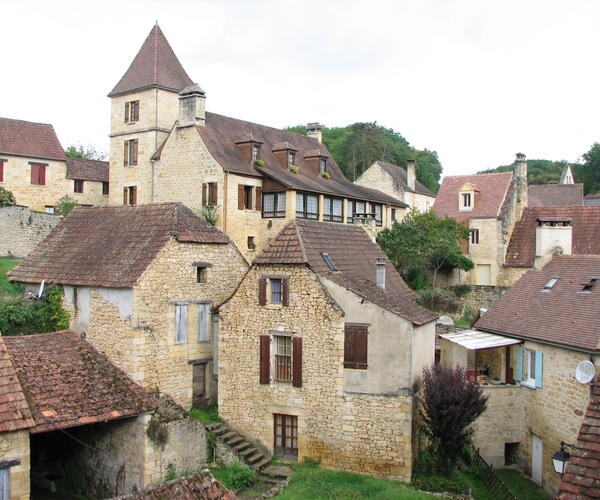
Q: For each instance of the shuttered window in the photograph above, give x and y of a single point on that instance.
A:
(355, 345)
(209, 193)
(130, 152)
(132, 111)
(130, 195)
(245, 197)
(274, 288)
(181, 324)
(283, 358)
(4, 484)
(38, 174)
(203, 322)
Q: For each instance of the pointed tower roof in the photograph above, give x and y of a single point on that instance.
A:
(566, 177)
(155, 65)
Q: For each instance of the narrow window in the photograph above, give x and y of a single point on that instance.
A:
(283, 358)
(394, 216)
(291, 159)
(276, 290)
(132, 111)
(466, 199)
(201, 274)
(5, 484)
(248, 197)
(255, 152)
(273, 205)
(203, 322)
(529, 367)
(130, 154)
(130, 195)
(474, 236)
(250, 242)
(105, 190)
(78, 186)
(377, 211)
(355, 345)
(323, 166)
(180, 324)
(380, 276)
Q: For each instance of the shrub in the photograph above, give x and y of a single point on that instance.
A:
(65, 205)
(7, 199)
(258, 163)
(237, 475)
(158, 433)
(209, 416)
(416, 278)
(462, 290)
(294, 170)
(326, 175)
(209, 214)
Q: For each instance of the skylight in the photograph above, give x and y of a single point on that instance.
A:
(589, 285)
(328, 261)
(551, 283)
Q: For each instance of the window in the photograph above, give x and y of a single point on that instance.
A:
(283, 358)
(291, 159)
(307, 206)
(377, 209)
(78, 186)
(130, 195)
(380, 275)
(201, 274)
(328, 261)
(38, 174)
(2, 162)
(333, 209)
(551, 282)
(588, 286)
(132, 111)
(466, 200)
(204, 320)
(49, 209)
(530, 367)
(286, 435)
(209, 194)
(248, 197)
(355, 209)
(323, 165)
(394, 214)
(474, 236)
(181, 323)
(255, 152)
(250, 243)
(105, 190)
(273, 205)
(130, 153)
(355, 345)
(276, 290)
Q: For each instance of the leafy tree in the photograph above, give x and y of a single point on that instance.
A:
(7, 199)
(425, 242)
(589, 171)
(90, 152)
(65, 205)
(543, 171)
(450, 403)
(355, 148)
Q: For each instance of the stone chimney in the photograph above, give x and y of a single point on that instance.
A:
(521, 179)
(314, 130)
(191, 106)
(411, 174)
(553, 236)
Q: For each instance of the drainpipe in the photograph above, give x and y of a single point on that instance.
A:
(225, 178)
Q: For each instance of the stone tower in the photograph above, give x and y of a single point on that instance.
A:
(144, 107)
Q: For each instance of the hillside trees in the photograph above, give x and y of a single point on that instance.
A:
(90, 152)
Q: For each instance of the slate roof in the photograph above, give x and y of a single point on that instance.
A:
(155, 65)
(591, 200)
(355, 257)
(69, 383)
(585, 235)
(562, 315)
(491, 190)
(555, 195)
(582, 476)
(87, 170)
(399, 175)
(111, 246)
(14, 410)
(37, 140)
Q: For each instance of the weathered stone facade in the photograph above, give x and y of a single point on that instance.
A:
(15, 446)
(483, 296)
(23, 229)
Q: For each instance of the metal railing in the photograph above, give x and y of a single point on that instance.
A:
(490, 478)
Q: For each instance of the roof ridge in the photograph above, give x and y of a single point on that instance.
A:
(300, 241)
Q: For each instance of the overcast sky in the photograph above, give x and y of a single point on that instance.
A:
(474, 80)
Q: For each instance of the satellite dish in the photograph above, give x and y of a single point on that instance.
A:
(585, 372)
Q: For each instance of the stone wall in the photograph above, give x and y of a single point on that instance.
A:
(482, 296)
(15, 446)
(23, 229)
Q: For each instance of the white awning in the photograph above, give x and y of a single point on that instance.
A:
(474, 339)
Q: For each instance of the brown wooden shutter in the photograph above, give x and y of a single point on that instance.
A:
(356, 340)
(361, 341)
(126, 112)
(42, 174)
(348, 349)
(258, 203)
(285, 285)
(125, 196)
(241, 192)
(134, 195)
(265, 359)
(125, 153)
(213, 193)
(1, 171)
(262, 292)
(297, 361)
(136, 110)
(135, 152)
(34, 175)
(204, 194)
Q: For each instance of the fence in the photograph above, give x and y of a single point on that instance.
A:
(490, 478)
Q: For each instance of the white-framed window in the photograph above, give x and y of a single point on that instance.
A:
(181, 323)
(49, 209)
(204, 320)
(255, 152)
(276, 287)
(474, 236)
(466, 200)
(530, 367)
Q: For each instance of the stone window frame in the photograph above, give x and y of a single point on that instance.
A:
(273, 354)
(202, 271)
(78, 186)
(5, 466)
(474, 237)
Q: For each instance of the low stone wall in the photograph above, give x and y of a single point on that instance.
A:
(483, 296)
(23, 230)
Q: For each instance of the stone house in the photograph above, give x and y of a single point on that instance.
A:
(489, 205)
(140, 283)
(165, 147)
(320, 348)
(399, 183)
(57, 392)
(34, 168)
(525, 351)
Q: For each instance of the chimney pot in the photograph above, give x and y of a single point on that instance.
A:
(313, 130)
(191, 106)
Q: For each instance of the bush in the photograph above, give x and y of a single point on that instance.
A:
(416, 278)
(209, 214)
(65, 205)
(259, 163)
(462, 290)
(236, 476)
(209, 416)
(440, 484)
(7, 199)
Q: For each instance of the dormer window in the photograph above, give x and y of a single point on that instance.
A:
(466, 197)
(466, 200)
(291, 159)
(255, 152)
(323, 166)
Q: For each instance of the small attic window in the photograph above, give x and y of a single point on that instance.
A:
(328, 261)
(466, 199)
(291, 159)
(551, 283)
(589, 285)
(380, 275)
(323, 165)
(255, 151)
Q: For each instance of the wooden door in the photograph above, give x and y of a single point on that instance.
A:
(286, 436)
(536, 458)
(199, 395)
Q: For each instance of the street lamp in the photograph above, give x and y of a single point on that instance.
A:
(561, 457)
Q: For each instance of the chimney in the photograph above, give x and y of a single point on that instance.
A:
(380, 274)
(314, 130)
(521, 178)
(411, 174)
(553, 236)
(191, 106)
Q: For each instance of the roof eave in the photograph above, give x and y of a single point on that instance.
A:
(139, 89)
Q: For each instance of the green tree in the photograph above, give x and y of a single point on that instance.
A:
(542, 171)
(90, 152)
(7, 199)
(425, 242)
(65, 205)
(589, 171)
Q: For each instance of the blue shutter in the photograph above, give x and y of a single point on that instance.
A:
(203, 323)
(4, 484)
(519, 376)
(539, 365)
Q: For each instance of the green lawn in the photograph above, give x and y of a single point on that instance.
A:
(6, 287)
(310, 481)
(521, 486)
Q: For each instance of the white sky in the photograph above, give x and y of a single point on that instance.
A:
(475, 80)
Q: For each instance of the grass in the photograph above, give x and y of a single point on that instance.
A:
(7, 288)
(521, 486)
(310, 481)
(209, 416)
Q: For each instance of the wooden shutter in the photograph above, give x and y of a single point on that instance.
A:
(126, 112)
(134, 195)
(262, 292)
(355, 345)
(539, 368)
(125, 200)
(265, 359)
(297, 361)
(34, 174)
(136, 110)
(213, 193)
(135, 152)
(285, 285)
(1, 171)
(125, 153)
(258, 203)
(520, 352)
(42, 174)
(204, 194)
(241, 193)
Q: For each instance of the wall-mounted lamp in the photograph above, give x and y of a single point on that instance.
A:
(561, 457)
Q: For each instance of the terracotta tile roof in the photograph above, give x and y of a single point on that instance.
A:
(199, 486)
(491, 190)
(220, 134)
(14, 410)
(37, 140)
(354, 256)
(111, 246)
(581, 480)
(69, 383)
(155, 65)
(585, 236)
(561, 315)
(87, 170)
(555, 195)
(399, 175)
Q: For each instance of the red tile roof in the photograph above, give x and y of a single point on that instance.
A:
(87, 170)
(14, 410)
(111, 246)
(562, 315)
(585, 236)
(37, 140)
(69, 383)
(491, 190)
(155, 65)
(355, 257)
(399, 175)
(581, 480)
(555, 195)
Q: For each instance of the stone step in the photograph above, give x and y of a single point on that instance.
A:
(261, 463)
(229, 435)
(235, 440)
(276, 471)
(212, 427)
(267, 479)
(241, 446)
(252, 459)
(248, 452)
(221, 430)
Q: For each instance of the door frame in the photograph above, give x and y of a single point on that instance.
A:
(285, 451)
(537, 459)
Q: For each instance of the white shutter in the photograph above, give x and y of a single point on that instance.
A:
(203, 322)
(4, 484)
(180, 324)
